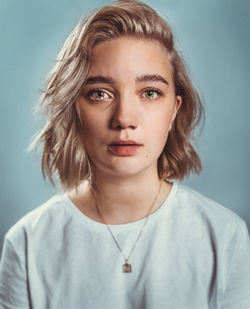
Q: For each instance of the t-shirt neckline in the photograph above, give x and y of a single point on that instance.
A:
(80, 216)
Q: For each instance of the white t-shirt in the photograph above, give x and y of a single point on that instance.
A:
(193, 254)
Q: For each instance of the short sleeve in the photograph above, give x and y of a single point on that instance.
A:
(13, 283)
(237, 293)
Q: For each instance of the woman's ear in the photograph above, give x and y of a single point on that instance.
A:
(178, 102)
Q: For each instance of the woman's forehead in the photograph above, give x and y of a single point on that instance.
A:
(130, 57)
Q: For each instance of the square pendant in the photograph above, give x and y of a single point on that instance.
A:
(127, 268)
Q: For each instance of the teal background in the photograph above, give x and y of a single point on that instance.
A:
(212, 35)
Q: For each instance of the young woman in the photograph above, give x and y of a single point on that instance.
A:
(120, 113)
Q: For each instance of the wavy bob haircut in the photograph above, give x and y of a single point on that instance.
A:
(64, 154)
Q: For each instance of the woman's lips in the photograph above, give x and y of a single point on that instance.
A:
(128, 148)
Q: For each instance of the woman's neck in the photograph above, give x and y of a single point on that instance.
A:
(121, 200)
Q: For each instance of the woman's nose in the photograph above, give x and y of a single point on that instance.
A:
(125, 115)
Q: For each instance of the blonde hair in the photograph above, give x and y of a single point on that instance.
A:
(63, 147)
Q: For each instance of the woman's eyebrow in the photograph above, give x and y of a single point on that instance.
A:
(151, 78)
(99, 79)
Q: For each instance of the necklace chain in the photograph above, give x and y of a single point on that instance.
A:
(126, 266)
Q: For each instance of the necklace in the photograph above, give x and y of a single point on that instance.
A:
(126, 267)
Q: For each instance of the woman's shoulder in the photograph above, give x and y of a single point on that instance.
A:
(40, 219)
(198, 207)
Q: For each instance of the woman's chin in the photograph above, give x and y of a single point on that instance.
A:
(126, 168)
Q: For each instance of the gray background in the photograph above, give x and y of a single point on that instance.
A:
(212, 35)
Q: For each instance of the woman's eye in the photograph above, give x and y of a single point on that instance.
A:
(151, 94)
(98, 95)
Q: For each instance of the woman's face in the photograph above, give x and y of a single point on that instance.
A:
(127, 106)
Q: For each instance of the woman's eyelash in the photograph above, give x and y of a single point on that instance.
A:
(94, 93)
(151, 93)
(99, 95)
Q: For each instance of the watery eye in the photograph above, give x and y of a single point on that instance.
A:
(150, 94)
(98, 95)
